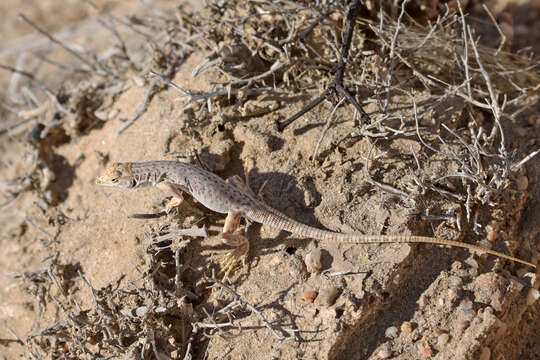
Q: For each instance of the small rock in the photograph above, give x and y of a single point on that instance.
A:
(313, 260)
(472, 263)
(443, 339)
(112, 114)
(427, 351)
(532, 296)
(101, 115)
(309, 296)
(492, 235)
(466, 307)
(138, 312)
(327, 296)
(391, 332)
(473, 271)
(406, 327)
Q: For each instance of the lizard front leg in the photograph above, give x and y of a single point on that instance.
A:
(176, 200)
(239, 242)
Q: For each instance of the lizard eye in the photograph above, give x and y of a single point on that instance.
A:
(115, 177)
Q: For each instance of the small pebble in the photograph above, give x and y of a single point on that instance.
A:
(443, 339)
(313, 260)
(473, 270)
(427, 351)
(391, 332)
(139, 312)
(406, 327)
(472, 263)
(309, 296)
(532, 296)
(492, 235)
(101, 115)
(327, 296)
(112, 114)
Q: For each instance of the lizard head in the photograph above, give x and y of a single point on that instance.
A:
(118, 175)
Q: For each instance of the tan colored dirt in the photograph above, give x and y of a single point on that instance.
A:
(393, 301)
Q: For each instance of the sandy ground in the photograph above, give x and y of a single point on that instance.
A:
(374, 301)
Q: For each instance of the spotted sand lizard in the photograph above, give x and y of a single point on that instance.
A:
(234, 198)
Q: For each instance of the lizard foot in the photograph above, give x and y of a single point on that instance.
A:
(171, 204)
(177, 198)
(232, 258)
(231, 238)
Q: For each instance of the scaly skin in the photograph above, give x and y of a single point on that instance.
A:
(231, 198)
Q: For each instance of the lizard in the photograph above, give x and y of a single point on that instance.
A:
(234, 198)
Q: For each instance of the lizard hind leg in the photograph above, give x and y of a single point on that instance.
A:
(239, 242)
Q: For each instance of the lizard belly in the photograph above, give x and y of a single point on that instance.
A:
(214, 205)
(212, 199)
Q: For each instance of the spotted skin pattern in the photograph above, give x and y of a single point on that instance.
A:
(236, 200)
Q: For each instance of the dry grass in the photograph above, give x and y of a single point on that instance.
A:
(285, 48)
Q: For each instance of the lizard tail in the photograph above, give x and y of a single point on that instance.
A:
(280, 221)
